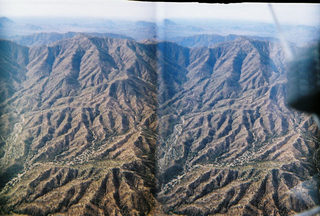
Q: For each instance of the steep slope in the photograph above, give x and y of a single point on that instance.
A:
(105, 126)
(85, 130)
(13, 59)
(228, 143)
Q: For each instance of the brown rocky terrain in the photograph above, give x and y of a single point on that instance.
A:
(234, 148)
(110, 126)
(84, 136)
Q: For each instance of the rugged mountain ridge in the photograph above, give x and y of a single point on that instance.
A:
(46, 38)
(210, 40)
(105, 126)
(86, 121)
(234, 147)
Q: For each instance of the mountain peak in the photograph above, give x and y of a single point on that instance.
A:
(4, 21)
(168, 22)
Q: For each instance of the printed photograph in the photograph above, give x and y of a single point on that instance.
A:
(143, 108)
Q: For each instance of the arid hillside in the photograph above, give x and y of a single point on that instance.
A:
(85, 130)
(109, 126)
(228, 144)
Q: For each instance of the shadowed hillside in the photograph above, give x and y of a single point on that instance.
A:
(228, 144)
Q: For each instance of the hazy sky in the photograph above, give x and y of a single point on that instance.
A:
(308, 14)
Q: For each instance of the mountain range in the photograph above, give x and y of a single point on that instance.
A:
(160, 29)
(95, 124)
